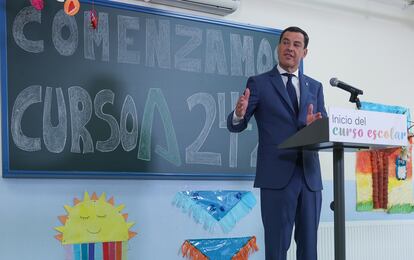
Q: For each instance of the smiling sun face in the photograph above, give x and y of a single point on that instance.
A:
(94, 220)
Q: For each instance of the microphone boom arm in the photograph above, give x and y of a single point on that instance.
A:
(354, 91)
(354, 99)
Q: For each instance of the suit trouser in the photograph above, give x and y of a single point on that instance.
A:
(295, 205)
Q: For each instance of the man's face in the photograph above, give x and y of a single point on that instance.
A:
(291, 50)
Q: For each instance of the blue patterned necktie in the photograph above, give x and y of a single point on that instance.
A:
(292, 92)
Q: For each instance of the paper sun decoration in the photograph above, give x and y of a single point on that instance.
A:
(94, 220)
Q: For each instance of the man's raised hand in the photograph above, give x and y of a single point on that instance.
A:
(311, 117)
(241, 105)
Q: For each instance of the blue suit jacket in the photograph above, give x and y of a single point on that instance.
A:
(276, 121)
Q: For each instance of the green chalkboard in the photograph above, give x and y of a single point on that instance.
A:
(144, 95)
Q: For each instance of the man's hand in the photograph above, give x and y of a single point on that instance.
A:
(311, 117)
(241, 105)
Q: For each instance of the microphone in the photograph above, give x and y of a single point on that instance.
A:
(337, 83)
(354, 91)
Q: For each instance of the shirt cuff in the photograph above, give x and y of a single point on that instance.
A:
(236, 119)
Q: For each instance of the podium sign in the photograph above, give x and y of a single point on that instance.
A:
(346, 129)
(367, 127)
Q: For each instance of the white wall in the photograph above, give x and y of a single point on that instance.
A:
(366, 43)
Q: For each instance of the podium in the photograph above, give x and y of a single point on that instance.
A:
(320, 136)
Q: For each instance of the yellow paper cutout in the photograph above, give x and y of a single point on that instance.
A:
(94, 220)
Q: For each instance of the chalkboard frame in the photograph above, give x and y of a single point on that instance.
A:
(9, 173)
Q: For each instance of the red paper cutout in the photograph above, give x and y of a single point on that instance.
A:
(38, 4)
(94, 19)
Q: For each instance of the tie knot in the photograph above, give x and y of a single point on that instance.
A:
(289, 75)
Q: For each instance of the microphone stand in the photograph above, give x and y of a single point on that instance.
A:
(354, 99)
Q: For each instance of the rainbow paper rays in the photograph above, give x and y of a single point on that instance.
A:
(224, 208)
(238, 248)
(97, 251)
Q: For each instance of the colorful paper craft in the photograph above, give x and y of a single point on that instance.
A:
(38, 4)
(384, 176)
(95, 229)
(97, 251)
(238, 248)
(71, 7)
(224, 208)
(384, 181)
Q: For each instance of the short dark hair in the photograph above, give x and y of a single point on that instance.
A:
(298, 30)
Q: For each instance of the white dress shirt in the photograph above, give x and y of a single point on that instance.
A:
(295, 82)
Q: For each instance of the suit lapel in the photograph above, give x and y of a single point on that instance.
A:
(304, 92)
(278, 84)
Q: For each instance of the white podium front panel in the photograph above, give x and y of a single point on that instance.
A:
(367, 127)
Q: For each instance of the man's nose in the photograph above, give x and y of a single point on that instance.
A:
(289, 46)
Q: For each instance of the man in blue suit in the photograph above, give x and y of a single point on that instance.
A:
(283, 101)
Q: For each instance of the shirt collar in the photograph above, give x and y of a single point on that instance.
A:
(281, 71)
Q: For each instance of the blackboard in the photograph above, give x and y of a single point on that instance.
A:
(144, 95)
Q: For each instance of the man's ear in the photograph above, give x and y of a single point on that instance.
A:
(305, 51)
